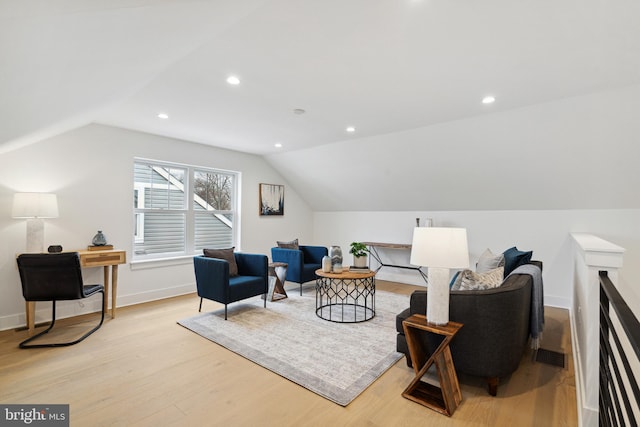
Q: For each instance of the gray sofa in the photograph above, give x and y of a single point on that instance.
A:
(495, 332)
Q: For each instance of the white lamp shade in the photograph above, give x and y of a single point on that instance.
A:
(35, 205)
(441, 247)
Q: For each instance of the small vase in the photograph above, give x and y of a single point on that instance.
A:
(326, 264)
(335, 253)
(99, 239)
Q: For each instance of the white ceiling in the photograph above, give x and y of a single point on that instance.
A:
(381, 66)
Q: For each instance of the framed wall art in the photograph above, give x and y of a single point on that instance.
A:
(271, 199)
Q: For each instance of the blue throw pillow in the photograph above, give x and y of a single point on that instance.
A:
(453, 279)
(513, 258)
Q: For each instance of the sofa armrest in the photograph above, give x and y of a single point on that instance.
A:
(418, 302)
(538, 263)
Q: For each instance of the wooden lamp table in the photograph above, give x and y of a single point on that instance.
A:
(446, 398)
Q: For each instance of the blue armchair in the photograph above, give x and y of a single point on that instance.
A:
(302, 262)
(213, 281)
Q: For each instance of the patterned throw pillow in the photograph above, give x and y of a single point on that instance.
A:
(489, 261)
(289, 245)
(469, 280)
(224, 254)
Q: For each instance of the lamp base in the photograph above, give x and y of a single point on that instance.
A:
(35, 235)
(438, 296)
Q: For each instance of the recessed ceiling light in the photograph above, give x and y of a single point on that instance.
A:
(233, 80)
(163, 116)
(351, 129)
(277, 145)
(298, 111)
(488, 99)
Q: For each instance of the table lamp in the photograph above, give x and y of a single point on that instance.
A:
(35, 207)
(439, 249)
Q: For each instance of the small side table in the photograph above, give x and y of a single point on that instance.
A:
(277, 275)
(446, 398)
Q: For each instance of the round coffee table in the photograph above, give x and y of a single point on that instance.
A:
(346, 297)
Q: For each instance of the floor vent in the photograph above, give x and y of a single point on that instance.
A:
(551, 358)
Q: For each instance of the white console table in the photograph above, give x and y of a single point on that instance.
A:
(373, 250)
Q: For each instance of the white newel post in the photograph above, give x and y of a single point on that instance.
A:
(592, 254)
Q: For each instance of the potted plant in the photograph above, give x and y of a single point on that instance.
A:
(359, 252)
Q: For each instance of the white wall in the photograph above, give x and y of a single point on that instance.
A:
(574, 153)
(544, 232)
(91, 171)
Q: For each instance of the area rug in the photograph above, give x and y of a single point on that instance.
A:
(338, 361)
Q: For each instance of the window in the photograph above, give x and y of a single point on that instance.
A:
(138, 202)
(180, 209)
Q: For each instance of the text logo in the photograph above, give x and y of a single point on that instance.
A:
(34, 415)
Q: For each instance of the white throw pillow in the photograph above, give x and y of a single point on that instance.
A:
(469, 280)
(488, 261)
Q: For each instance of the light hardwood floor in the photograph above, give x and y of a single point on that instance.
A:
(143, 369)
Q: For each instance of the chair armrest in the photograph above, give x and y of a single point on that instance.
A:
(252, 264)
(211, 267)
(212, 276)
(313, 254)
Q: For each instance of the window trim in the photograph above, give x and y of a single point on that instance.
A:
(138, 230)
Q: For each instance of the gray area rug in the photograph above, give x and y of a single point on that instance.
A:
(337, 361)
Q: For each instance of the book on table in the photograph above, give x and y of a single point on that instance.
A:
(354, 269)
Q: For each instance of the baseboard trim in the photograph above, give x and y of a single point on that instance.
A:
(409, 279)
(66, 309)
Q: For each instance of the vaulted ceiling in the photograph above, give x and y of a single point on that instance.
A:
(381, 66)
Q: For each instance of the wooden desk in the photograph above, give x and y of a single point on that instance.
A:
(405, 246)
(105, 259)
(446, 398)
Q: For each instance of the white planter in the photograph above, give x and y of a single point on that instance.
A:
(360, 261)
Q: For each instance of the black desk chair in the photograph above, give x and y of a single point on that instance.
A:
(54, 277)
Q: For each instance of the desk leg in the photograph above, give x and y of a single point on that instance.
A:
(31, 316)
(105, 271)
(114, 289)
